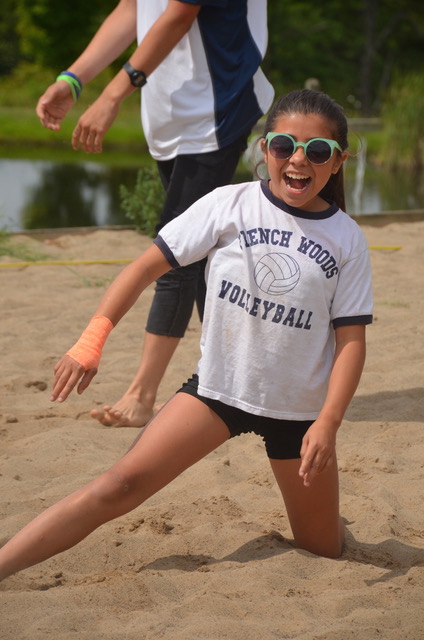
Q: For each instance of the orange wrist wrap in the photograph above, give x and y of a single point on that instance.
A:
(88, 349)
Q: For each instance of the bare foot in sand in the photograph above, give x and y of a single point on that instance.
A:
(137, 405)
(127, 412)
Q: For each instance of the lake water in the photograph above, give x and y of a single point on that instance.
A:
(39, 194)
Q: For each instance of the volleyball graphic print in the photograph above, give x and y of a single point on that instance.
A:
(277, 273)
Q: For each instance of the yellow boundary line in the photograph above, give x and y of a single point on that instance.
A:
(49, 263)
(386, 248)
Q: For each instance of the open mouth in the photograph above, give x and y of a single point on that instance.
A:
(296, 182)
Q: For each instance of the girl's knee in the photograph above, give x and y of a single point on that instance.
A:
(113, 487)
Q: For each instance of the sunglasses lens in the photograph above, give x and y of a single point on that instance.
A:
(281, 147)
(318, 152)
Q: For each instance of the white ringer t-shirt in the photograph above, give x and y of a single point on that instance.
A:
(279, 280)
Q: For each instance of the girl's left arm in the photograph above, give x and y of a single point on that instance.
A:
(319, 443)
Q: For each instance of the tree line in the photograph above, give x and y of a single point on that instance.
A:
(354, 48)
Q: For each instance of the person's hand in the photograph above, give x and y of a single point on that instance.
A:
(67, 373)
(93, 124)
(318, 450)
(54, 104)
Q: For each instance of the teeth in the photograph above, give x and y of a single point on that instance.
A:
(296, 176)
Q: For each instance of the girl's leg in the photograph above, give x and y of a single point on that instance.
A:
(313, 511)
(182, 433)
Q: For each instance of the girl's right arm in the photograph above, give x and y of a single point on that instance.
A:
(118, 299)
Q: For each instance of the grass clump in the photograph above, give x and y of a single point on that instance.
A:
(19, 250)
(142, 205)
(403, 124)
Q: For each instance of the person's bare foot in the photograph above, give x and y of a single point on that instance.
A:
(127, 412)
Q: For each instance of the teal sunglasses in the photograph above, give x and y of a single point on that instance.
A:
(318, 150)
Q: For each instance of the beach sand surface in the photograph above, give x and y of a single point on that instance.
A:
(210, 557)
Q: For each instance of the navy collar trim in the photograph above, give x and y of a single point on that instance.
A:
(299, 213)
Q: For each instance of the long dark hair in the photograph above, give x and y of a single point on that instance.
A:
(306, 101)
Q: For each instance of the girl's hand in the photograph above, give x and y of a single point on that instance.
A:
(67, 373)
(318, 450)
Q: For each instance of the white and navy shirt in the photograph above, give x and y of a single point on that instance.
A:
(210, 89)
(279, 281)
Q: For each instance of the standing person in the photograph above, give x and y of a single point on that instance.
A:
(283, 340)
(202, 91)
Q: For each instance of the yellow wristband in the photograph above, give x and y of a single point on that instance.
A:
(87, 350)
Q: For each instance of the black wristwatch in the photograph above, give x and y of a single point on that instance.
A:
(137, 78)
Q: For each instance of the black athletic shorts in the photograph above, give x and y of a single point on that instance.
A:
(282, 438)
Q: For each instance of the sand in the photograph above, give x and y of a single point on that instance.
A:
(211, 556)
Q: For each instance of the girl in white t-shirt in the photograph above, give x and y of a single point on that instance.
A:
(283, 339)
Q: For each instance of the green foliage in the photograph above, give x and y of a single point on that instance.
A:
(54, 33)
(306, 40)
(353, 47)
(9, 42)
(403, 124)
(143, 205)
(22, 86)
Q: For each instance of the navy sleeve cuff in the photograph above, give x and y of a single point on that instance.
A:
(161, 244)
(346, 322)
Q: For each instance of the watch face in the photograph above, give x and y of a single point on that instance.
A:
(137, 78)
